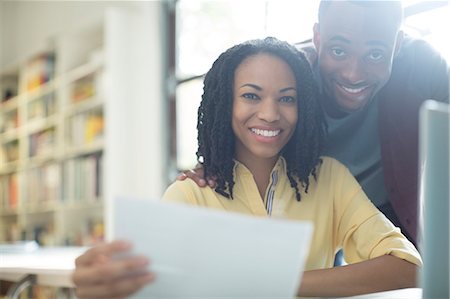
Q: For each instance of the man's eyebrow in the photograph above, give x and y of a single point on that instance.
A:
(377, 43)
(340, 38)
(374, 42)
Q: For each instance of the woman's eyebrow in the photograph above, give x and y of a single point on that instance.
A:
(252, 85)
(288, 89)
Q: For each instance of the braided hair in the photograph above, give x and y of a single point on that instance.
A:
(216, 139)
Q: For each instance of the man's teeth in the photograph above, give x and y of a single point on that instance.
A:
(266, 133)
(353, 90)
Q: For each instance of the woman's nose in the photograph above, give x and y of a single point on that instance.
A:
(269, 111)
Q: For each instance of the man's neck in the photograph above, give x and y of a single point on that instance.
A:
(331, 108)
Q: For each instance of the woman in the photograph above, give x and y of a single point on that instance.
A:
(260, 134)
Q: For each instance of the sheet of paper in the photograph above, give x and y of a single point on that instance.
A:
(200, 252)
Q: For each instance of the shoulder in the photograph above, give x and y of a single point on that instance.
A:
(330, 172)
(330, 164)
(419, 55)
(419, 72)
(417, 47)
(184, 191)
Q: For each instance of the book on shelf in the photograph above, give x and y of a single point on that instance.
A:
(39, 71)
(83, 89)
(45, 292)
(9, 192)
(13, 191)
(9, 121)
(11, 150)
(43, 186)
(42, 143)
(82, 179)
(3, 160)
(90, 232)
(42, 107)
(87, 128)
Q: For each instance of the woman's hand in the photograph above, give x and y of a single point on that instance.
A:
(198, 176)
(99, 275)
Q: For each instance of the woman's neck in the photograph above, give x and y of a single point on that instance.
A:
(260, 169)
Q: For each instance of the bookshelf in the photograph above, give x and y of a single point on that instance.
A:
(51, 144)
(82, 120)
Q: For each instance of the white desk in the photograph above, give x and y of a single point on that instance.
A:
(51, 266)
(413, 293)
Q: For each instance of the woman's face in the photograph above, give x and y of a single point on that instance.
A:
(264, 107)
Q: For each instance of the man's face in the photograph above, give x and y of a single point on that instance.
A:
(355, 48)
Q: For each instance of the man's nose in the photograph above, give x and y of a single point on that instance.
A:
(353, 72)
(269, 110)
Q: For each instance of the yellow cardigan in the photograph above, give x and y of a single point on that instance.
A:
(342, 215)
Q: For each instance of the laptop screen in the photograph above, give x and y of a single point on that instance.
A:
(434, 198)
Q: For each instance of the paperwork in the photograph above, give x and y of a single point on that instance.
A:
(199, 252)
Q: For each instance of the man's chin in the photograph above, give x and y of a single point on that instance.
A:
(349, 106)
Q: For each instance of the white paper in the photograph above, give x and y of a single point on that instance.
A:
(200, 252)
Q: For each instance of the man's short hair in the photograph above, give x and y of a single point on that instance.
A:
(391, 8)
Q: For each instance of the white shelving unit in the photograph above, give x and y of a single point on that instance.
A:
(94, 130)
(55, 121)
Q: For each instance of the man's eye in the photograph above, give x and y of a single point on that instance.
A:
(250, 96)
(338, 52)
(376, 56)
(288, 99)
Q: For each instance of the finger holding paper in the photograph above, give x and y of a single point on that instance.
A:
(100, 273)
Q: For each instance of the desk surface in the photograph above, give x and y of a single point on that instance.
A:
(52, 266)
(413, 293)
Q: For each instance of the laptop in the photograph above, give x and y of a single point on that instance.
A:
(434, 154)
(197, 252)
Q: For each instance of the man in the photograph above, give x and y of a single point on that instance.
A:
(373, 80)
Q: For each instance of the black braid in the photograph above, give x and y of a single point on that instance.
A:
(216, 139)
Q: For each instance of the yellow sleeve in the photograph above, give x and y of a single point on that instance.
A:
(181, 192)
(363, 231)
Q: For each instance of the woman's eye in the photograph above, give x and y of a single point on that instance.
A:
(288, 99)
(250, 96)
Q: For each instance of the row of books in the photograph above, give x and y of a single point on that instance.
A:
(39, 71)
(43, 185)
(9, 151)
(42, 143)
(79, 180)
(83, 179)
(87, 128)
(89, 231)
(42, 107)
(83, 89)
(45, 292)
(9, 121)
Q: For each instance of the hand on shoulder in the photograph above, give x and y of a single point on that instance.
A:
(198, 176)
